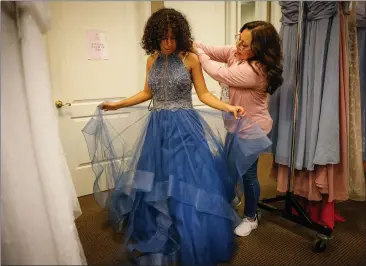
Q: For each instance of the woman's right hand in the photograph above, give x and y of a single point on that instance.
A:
(109, 106)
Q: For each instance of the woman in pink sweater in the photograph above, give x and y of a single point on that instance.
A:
(254, 70)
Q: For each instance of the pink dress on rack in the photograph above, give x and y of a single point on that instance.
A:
(327, 183)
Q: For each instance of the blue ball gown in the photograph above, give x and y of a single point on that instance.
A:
(174, 184)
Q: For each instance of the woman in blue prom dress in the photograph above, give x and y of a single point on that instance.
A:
(174, 189)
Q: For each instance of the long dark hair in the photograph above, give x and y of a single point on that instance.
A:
(266, 47)
(156, 30)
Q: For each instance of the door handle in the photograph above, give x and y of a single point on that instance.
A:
(60, 104)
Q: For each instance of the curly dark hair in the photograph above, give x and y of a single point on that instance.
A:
(156, 30)
(266, 47)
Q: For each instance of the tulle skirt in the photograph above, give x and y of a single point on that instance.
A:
(176, 183)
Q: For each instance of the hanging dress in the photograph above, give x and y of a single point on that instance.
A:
(361, 38)
(320, 166)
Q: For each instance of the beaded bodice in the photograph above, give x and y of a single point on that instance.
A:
(170, 83)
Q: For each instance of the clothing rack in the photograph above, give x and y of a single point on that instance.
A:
(324, 234)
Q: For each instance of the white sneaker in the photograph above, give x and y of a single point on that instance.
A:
(245, 227)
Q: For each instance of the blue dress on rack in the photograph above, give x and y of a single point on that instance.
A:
(175, 187)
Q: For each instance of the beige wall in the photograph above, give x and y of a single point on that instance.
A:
(247, 12)
(123, 26)
(121, 75)
(156, 5)
(276, 15)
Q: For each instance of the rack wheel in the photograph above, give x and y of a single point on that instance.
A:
(319, 245)
(259, 215)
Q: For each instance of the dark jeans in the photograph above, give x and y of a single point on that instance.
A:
(251, 191)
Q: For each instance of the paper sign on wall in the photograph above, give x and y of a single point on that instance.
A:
(96, 45)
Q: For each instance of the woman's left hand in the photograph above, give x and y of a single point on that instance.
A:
(236, 111)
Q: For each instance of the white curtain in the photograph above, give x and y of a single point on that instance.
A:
(39, 202)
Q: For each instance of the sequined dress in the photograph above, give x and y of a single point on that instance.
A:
(175, 185)
(180, 212)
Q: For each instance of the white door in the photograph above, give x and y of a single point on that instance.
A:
(86, 83)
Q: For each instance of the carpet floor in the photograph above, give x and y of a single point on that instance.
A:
(275, 242)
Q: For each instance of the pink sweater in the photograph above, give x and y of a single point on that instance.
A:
(246, 88)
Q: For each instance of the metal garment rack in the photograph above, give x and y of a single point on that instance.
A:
(324, 234)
